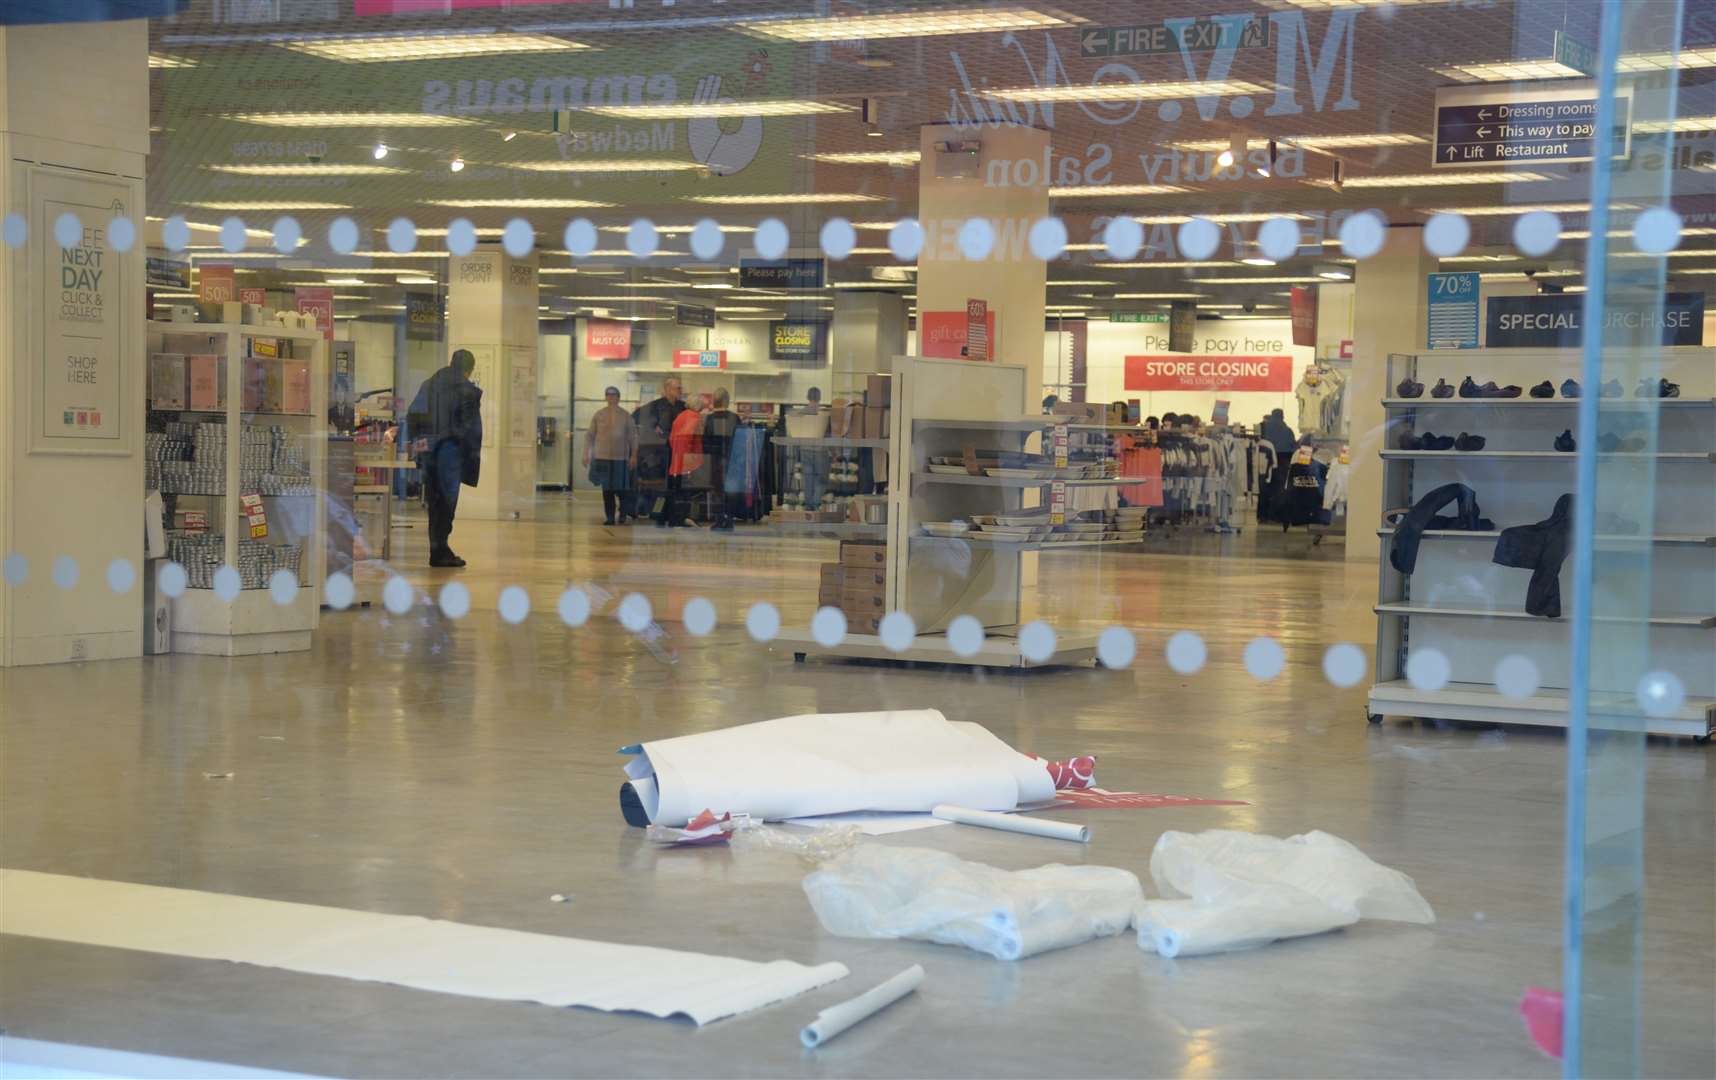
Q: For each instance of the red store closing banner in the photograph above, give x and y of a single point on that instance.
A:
(1271, 374)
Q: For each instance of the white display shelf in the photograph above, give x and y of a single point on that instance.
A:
(1639, 539)
(1478, 703)
(997, 650)
(1545, 455)
(1688, 621)
(250, 625)
(1551, 403)
(832, 443)
(1016, 482)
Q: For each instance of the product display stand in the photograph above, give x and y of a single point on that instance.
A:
(241, 455)
(1660, 571)
(940, 408)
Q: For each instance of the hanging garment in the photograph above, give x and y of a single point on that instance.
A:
(1540, 548)
(1335, 486)
(1409, 531)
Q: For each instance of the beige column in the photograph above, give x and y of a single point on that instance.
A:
(74, 133)
(491, 310)
(1388, 317)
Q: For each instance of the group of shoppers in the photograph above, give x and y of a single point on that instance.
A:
(644, 461)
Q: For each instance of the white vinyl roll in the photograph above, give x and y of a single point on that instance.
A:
(837, 1018)
(1030, 826)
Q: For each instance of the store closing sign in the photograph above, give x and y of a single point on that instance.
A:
(607, 339)
(1268, 374)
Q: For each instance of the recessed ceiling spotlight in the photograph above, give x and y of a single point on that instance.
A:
(1333, 272)
(457, 164)
(380, 150)
(1225, 158)
(874, 133)
(1258, 260)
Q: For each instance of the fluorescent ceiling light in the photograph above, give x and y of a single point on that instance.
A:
(161, 60)
(1128, 91)
(1685, 270)
(1220, 219)
(1315, 142)
(711, 285)
(1173, 265)
(1441, 179)
(1702, 56)
(744, 309)
(1086, 247)
(348, 119)
(1257, 260)
(428, 45)
(1160, 296)
(871, 251)
(869, 157)
(398, 254)
(1519, 208)
(607, 165)
(715, 110)
(872, 284)
(521, 204)
(1097, 191)
(1684, 123)
(1585, 234)
(882, 226)
(1302, 280)
(481, 231)
(339, 296)
(927, 23)
(1089, 282)
(307, 168)
(343, 281)
(1485, 258)
(286, 204)
(786, 200)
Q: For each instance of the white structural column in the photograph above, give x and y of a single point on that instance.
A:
(491, 310)
(1389, 317)
(1010, 190)
(74, 132)
(869, 331)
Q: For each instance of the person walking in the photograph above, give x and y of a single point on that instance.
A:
(685, 443)
(654, 420)
(446, 428)
(611, 456)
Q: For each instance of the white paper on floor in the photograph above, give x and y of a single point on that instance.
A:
(896, 892)
(872, 824)
(1246, 889)
(405, 950)
(834, 763)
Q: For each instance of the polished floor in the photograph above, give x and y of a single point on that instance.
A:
(465, 769)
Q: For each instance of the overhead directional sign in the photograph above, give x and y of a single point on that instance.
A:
(1524, 125)
(1195, 34)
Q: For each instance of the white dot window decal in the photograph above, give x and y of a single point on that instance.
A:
(173, 580)
(1362, 234)
(288, 234)
(1122, 237)
(574, 606)
(1446, 235)
(232, 235)
(227, 584)
(838, 238)
(771, 238)
(15, 230)
(1116, 648)
(1264, 658)
(707, 240)
(635, 613)
(641, 238)
(343, 235)
(122, 234)
(401, 236)
(517, 238)
(121, 575)
(906, 239)
(64, 572)
(1661, 694)
(965, 636)
(1278, 238)
(68, 230)
(461, 237)
(1657, 230)
(1344, 664)
(1047, 238)
(828, 627)
(1516, 677)
(1428, 669)
(455, 600)
(580, 238)
(514, 604)
(15, 569)
(396, 595)
(176, 233)
(762, 622)
(1537, 233)
(283, 587)
(1186, 652)
(698, 617)
(1199, 238)
(897, 631)
(1037, 642)
(338, 590)
(976, 239)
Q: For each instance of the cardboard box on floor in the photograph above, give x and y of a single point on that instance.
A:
(863, 601)
(878, 391)
(859, 553)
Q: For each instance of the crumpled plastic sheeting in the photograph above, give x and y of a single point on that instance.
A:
(900, 892)
(1246, 889)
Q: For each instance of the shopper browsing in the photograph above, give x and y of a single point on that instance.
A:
(686, 446)
(611, 456)
(654, 422)
(718, 430)
(446, 425)
(813, 464)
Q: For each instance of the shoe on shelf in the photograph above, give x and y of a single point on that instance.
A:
(1437, 442)
(1564, 442)
(1409, 441)
(1469, 442)
(1470, 389)
(1409, 389)
(1570, 389)
(1491, 390)
(1657, 388)
(1633, 445)
(1611, 389)
(1608, 442)
(1544, 389)
(1441, 389)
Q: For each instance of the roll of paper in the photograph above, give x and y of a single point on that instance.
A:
(835, 1019)
(988, 819)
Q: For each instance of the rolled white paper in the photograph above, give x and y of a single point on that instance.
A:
(837, 1018)
(988, 819)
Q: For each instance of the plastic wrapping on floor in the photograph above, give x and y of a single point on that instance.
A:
(896, 892)
(1246, 889)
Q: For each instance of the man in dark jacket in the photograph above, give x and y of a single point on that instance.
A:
(655, 423)
(718, 429)
(446, 423)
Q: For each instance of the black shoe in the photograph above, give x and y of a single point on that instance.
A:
(1441, 389)
(1469, 442)
(1409, 441)
(1437, 442)
(1609, 443)
(1564, 442)
(1612, 388)
(1633, 444)
(608, 521)
(1570, 389)
(1657, 388)
(1491, 390)
(1470, 389)
(1544, 389)
(1410, 389)
(446, 561)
